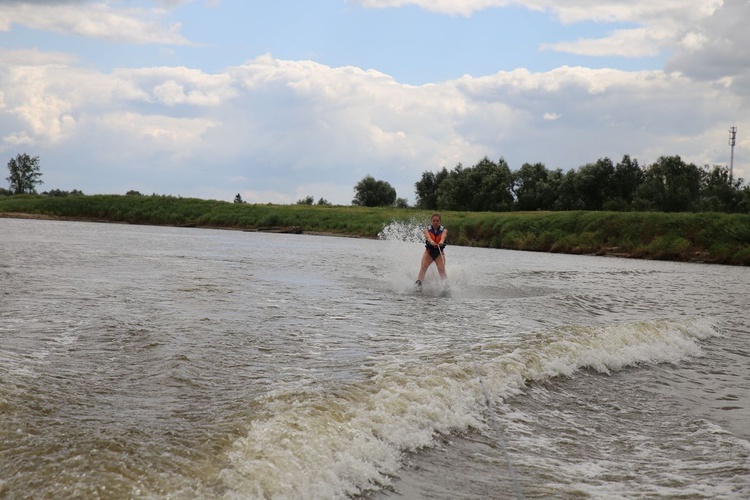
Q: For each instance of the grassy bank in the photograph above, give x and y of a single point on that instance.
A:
(705, 237)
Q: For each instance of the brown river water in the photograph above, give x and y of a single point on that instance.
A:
(153, 362)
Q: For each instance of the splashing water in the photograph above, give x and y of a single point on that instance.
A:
(404, 246)
(406, 231)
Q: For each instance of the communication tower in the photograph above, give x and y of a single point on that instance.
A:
(732, 140)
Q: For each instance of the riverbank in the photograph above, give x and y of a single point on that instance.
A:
(279, 230)
(690, 237)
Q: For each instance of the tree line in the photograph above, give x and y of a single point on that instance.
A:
(667, 185)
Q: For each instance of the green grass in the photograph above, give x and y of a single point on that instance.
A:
(708, 237)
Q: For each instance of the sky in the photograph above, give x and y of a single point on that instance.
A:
(284, 99)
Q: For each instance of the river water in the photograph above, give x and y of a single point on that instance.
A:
(152, 362)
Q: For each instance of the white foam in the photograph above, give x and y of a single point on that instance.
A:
(332, 443)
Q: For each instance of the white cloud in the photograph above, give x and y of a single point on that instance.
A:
(34, 57)
(660, 26)
(639, 42)
(173, 86)
(45, 114)
(716, 47)
(284, 130)
(16, 140)
(570, 11)
(452, 7)
(694, 41)
(177, 138)
(639, 11)
(335, 115)
(101, 20)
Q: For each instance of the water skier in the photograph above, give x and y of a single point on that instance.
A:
(435, 235)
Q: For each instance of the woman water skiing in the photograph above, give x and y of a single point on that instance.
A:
(435, 236)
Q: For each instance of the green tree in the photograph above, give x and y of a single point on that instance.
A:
(484, 187)
(24, 174)
(534, 187)
(455, 192)
(718, 193)
(494, 186)
(306, 201)
(625, 180)
(373, 193)
(744, 205)
(426, 189)
(238, 199)
(56, 193)
(670, 185)
(595, 183)
(323, 201)
(567, 197)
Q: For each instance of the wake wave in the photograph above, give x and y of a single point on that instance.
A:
(340, 441)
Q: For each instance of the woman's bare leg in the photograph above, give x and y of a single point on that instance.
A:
(426, 261)
(440, 263)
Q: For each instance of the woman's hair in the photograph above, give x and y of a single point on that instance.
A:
(438, 216)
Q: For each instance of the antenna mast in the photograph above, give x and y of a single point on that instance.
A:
(732, 140)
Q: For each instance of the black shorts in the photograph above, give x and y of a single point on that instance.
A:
(433, 251)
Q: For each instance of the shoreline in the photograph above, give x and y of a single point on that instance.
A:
(274, 229)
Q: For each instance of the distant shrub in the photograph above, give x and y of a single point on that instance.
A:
(57, 192)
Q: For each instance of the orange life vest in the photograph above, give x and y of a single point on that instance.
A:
(434, 236)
